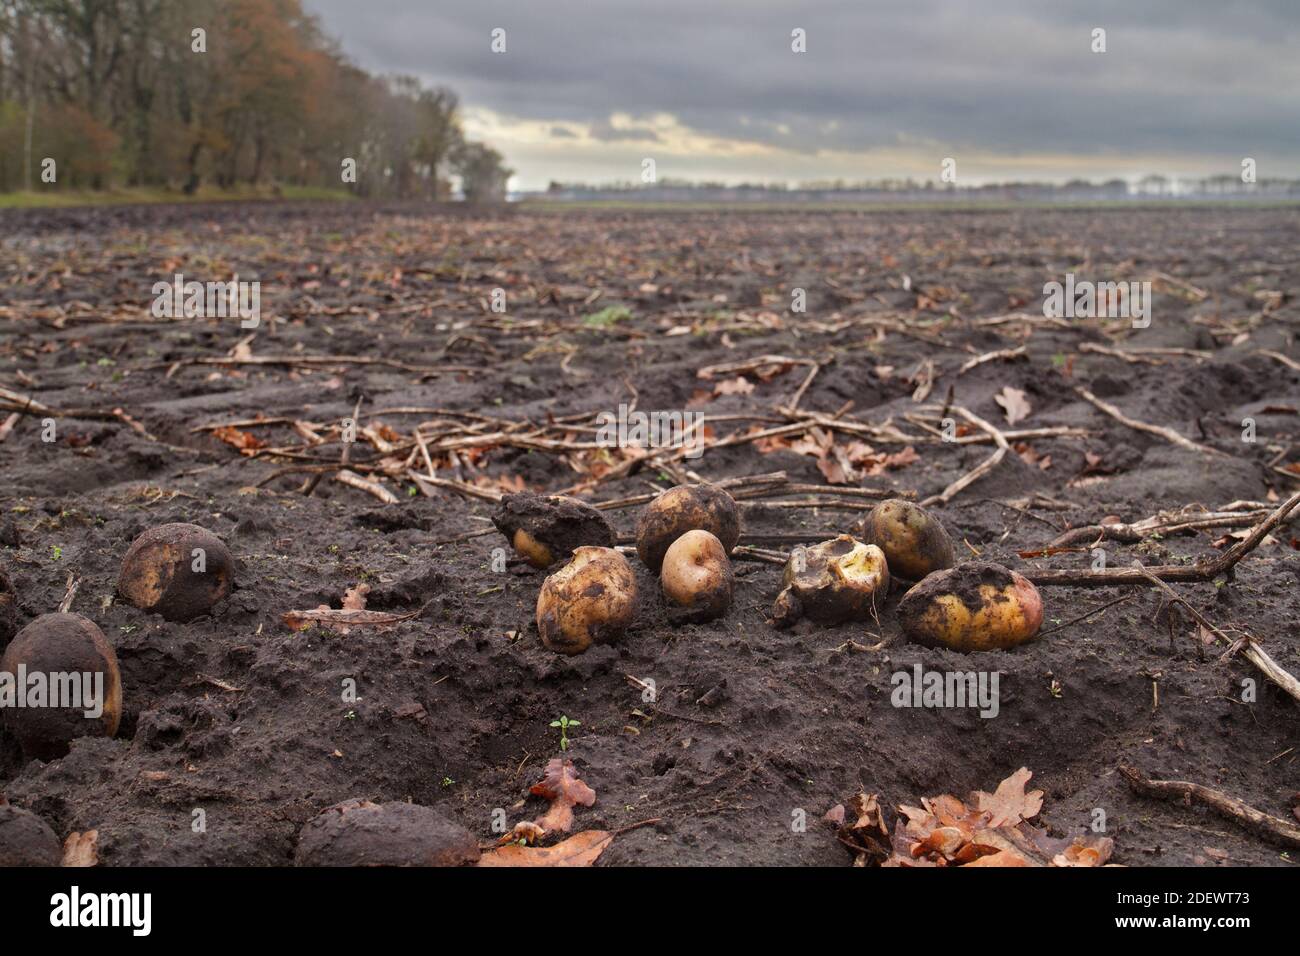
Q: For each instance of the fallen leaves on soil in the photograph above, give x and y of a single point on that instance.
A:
(581, 849)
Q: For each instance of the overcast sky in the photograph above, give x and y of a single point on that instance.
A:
(710, 89)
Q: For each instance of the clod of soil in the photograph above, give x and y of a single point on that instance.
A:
(26, 839)
(697, 575)
(360, 833)
(8, 611)
(835, 581)
(682, 509)
(591, 600)
(976, 606)
(914, 541)
(177, 570)
(545, 529)
(50, 646)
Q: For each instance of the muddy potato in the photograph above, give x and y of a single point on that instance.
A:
(545, 529)
(52, 646)
(914, 541)
(682, 509)
(8, 611)
(361, 833)
(590, 600)
(177, 570)
(696, 574)
(26, 839)
(976, 606)
(835, 581)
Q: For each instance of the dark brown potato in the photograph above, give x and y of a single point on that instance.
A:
(158, 571)
(360, 833)
(682, 509)
(914, 541)
(8, 611)
(60, 644)
(547, 529)
(832, 582)
(591, 600)
(976, 606)
(697, 575)
(26, 839)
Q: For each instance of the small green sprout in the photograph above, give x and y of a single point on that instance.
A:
(564, 723)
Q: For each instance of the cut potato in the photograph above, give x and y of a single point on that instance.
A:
(976, 606)
(835, 581)
(590, 600)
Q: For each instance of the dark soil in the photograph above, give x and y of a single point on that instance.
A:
(236, 715)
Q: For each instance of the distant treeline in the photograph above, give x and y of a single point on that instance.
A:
(903, 190)
(183, 93)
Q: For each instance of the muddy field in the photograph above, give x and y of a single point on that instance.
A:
(196, 419)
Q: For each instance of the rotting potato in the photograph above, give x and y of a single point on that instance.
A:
(591, 600)
(914, 541)
(38, 660)
(976, 606)
(361, 833)
(177, 570)
(26, 839)
(545, 529)
(835, 581)
(697, 575)
(8, 611)
(682, 509)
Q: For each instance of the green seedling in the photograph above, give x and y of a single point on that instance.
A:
(564, 723)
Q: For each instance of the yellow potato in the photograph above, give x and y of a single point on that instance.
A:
(696, 574)
(976, 606)
(544, 529)
(591, 600)
(914, 541)
(682, 509)
(837, 580)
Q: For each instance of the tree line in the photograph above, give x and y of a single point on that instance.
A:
(186, 93)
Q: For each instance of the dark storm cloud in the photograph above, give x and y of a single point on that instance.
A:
(1198, 77)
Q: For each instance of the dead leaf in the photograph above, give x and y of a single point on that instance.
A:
(342, 618)
(1009, 804)
(1015, 404)
(245, 442)
(734, 386)
(581, 849)
(561, 786)
(354, 599)
(81, 849)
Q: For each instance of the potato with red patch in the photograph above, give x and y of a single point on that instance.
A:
(832, 582)
(44, 652)
(544, 529)
(914, 541)
(696, 575)
(976, 606)
(682, 509)
(177, 570)
(591, 600)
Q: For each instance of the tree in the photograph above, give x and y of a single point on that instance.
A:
(483, 173)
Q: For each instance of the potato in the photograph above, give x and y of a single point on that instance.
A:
(177, 570)
(590, 600)
(544, 529)
(26, 839)
(682, 509)
(46, 650)
(361, 833)
(914, 541)
(8, 611)
(835, 581)
(696, 574)
(976, 606)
